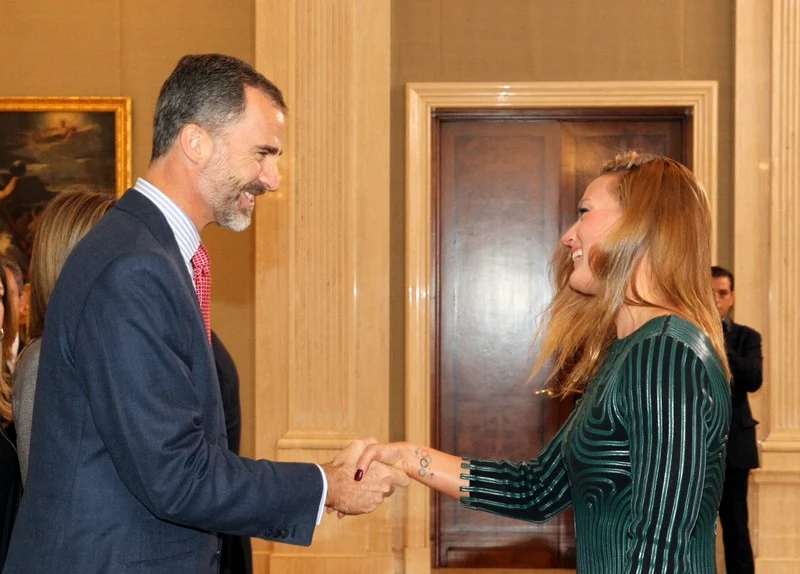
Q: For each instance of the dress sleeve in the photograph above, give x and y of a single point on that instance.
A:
(665, 400)
(534, 490)
(24, 387)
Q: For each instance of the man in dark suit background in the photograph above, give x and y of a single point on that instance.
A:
(743, 347)
(129, 467)
(236, 552)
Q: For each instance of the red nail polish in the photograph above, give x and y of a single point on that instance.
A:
(359, 475)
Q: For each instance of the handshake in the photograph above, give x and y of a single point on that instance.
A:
(360, 478)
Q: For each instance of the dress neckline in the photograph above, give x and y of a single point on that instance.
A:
(649, 327)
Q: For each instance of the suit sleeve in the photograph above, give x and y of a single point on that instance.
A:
(534, 490)
(132, 354)
(665, 404)
(745, 360)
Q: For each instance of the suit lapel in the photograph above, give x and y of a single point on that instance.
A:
(151, 217)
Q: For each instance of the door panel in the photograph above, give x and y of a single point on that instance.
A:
(586, 146)
(507, 188)
(500, 210)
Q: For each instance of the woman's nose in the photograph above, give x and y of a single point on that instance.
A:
(569, 236)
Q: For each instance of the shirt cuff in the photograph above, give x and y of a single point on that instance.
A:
(324, 494)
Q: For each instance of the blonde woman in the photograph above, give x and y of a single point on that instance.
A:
(11, 335)
(6, 412)
(633, 328)
(65, 220)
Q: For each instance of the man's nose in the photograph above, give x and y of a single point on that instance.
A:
(271, 177)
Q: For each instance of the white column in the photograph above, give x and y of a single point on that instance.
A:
(767, 215)
(322, 260)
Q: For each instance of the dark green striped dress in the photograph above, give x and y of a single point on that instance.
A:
(641, 458)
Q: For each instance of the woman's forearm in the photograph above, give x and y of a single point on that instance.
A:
(433, 468)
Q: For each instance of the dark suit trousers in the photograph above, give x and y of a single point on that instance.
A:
(733, 516)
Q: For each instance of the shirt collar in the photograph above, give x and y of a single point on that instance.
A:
(185, 232)
(726, 323)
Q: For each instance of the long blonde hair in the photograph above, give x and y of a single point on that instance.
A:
(12, 274)
(666, 218)
(66, 219)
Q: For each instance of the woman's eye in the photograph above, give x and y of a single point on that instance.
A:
(582, 211)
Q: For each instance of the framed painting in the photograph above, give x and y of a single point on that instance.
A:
(49, 144)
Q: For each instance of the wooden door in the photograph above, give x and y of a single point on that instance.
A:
(507, 187)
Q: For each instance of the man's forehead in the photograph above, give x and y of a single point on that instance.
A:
(255, 97)
(264, 112)
(721, 283)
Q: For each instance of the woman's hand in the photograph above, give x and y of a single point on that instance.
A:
(433, 468)
(391, 454)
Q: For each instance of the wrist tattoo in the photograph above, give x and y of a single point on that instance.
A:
(425, 462)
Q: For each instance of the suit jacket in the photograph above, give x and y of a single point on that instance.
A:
(129, 467)
(743, 347)
(236, 553)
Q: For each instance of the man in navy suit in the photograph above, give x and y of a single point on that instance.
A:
(743, 347)
(129, 467)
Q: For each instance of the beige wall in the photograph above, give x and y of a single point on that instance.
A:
(543, 40)
(127, 48)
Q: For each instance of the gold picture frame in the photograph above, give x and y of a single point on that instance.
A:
(50, 143)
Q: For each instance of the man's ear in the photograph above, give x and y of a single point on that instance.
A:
(195, 143)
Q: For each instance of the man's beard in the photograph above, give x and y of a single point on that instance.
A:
(224, 195)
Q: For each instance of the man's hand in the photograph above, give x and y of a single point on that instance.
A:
(348, 496)
(433, 468)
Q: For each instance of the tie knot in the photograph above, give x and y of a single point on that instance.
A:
(200, 260)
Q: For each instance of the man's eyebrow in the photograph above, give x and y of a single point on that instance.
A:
(269, 150)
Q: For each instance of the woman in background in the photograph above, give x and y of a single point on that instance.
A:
(65, 220)
(633, 327)
(11, 338)
(10, 483)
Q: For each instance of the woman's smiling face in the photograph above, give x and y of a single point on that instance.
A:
(598, 211)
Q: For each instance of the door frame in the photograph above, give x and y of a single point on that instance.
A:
(422, 101)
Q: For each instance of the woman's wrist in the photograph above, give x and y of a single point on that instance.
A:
(422, 463)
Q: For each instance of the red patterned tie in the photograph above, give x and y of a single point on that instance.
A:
(201, 265)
